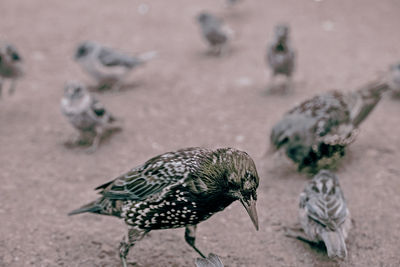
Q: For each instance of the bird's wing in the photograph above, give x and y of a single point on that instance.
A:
(153, 176)
(109, 57)
(212, 261)
(330, 212)
(99, 112)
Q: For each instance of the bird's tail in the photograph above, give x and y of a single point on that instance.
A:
(212, 261)
(335, 244)
(146, 56)
(366, 98)
(102, 206)
(92, 207)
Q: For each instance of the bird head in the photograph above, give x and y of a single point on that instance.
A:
(324, 183)
(243, 181)
(74, 90)
(84, 49)
(281, 31)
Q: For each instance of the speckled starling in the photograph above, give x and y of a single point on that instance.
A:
(86, 113)
(107, 66)
(315, 133)
(211, 261)
(280, 54)
(10, 65)
(394, 79)
(323, 214)
(178, 189)
(214, 32)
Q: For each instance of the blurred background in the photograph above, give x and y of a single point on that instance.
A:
(183, 98)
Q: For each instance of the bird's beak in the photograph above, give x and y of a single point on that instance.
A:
(250, 207)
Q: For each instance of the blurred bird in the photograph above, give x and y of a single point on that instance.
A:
(315, 133)
(323, 214)
(107, 66)
(231, 3)
(214, 32)
(280, 55)
(394, 78)
(212, 261)
(10, 65)
(178, 189)
(86, 113)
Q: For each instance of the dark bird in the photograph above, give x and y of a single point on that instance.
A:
(10, 65)
(212, 261)
(106, 65)
(214, 32)
(394, 79)
(86, 114)
(280, 55)
(178, 189)
(323, 214)
(315, 133)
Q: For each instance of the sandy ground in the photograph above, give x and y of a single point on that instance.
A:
(186, 98)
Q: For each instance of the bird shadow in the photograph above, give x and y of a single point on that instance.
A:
(108, 88)
(86, 142)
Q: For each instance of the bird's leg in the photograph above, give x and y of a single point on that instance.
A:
(96, 140)
(134, 235)
(289, 85)
(190, 237)
(271, 83)
(12, 87)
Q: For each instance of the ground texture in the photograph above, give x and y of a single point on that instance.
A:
(187, 98)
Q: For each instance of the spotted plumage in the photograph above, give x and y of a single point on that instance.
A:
(10, 65)
(106, 65)
(315, 133)
(214, 32)
(323, 214)
(280, 55)
(178, 189)
(86, 113)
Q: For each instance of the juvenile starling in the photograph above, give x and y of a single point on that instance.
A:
(214, 32)
(315, 133)
(86, 113)
(212, 261)
(178, 189)
(10, 65)
(323, 214)
(107, 66)
(280, 54)
(394, 79)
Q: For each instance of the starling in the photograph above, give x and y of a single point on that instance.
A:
(214, 32)
(178, 189)
(212, 261)
(280, 54)
(107, 66)
(10, 65)
(86, 113)
(394, 79)
(323, 214)
(315, 133)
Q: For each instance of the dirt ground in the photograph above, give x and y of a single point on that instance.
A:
(187, 98)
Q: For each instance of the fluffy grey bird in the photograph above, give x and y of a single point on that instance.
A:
(323, 214)
(280, 55)
(86, 114)
(178, 189)
(214, 32)
(212, 261)
(10, 65)
(107, 66)
(394, 78)
(315, 133)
